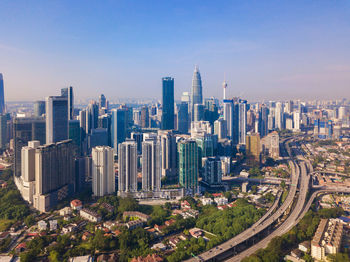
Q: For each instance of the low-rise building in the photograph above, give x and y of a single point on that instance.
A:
(137, 214)
(65, 211)
(134, 224)
(76, 204)
(42, 225)
(220, 201)
(90, 215)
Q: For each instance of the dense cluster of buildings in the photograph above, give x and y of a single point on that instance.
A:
(60, 149)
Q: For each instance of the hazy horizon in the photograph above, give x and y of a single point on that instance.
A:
(295, 50)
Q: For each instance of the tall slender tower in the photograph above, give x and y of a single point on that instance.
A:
(151, 177)
(2, 98)
(168, 103)
(224, 86)
(196, 92)
(127, 164)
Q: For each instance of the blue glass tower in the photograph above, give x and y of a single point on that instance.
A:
(168, 103)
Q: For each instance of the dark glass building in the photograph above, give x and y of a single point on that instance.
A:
(168, 103)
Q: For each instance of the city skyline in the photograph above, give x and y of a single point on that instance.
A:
(296, 50)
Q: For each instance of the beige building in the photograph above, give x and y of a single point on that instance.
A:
(327, 239)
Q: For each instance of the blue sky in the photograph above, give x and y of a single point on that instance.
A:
(268, 49)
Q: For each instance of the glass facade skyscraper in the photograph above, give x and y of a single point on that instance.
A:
(2, 97)
(57, 127)
(168, 103)
(188, 164)
(196, 92)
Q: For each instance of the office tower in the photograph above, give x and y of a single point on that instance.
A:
(169, 155)
(81, 172)
(82, 119)
(54, 174)
(136, 115)
(242, 122)
(211, 112)
(151, 162)
(201, 127)
(3, 131)
(68, 92)
(39, 108)
(228, 116)
(168, 103)
(188, 164)
(220, 128)
(25, 130)
(127, 167)
(91, 116)
(56, 119)
(2, 97)
(118, 127)
(103, 177)
(98, 137)
(323, 129)
(207, 145)
(279, 121)
(212, 174)
(296, 121)
(105, 121)
(144, 117)
(102, 101)
(138, 137)
(253, 148)
(75, 135)
(198, 113)
(289, 123)
(196, 91)
(271, 119)
(263, 120)
(183, 118)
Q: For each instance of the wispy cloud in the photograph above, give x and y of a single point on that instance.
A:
(11, 48)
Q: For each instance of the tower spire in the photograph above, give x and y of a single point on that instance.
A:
(224, 85)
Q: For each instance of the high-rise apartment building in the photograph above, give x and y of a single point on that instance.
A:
(127, 167)
(212, 174)
(242, 122)
(151, 164)
(188, 164)
(168, 116)
(3, 131)
(56, 119)
(144, 117)
(220, 128)
(54, 174)
(103, 177)
(169, 154)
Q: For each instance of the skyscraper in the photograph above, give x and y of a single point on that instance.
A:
(188, 164)
(212, 174)
(2, 97)
(242, 122)
(127, 167)
(68, 92)
(103, 178)
(56, 119)
(196, 91)
(119, 127)
(228, 116)
(253, 148)
(54, 174)
(168, 103)
(91, 117)
(102, 101)
(263, 120)
(39, 108)
(144, 117)
(25, 130)
(3, 131)
(151, 178)
(183, 118)
(169, 154)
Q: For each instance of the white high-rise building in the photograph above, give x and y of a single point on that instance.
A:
(27, 179)
(341, 113)
(127, 164)
(279, 116)
(151, 163)
(169, 154)
(220, 128)
(242, 123)
(296, 121)
(103, 177)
